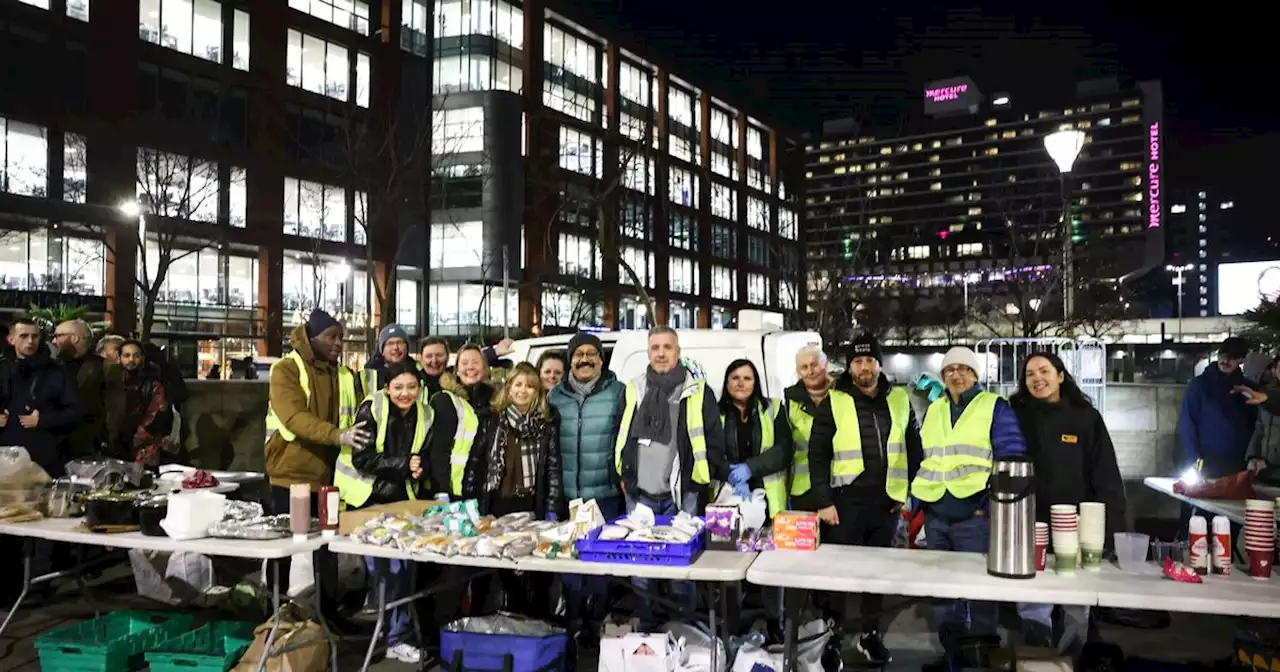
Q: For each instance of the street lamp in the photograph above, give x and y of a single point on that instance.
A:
(132, 209)
(1179, 281)
(1063, 147)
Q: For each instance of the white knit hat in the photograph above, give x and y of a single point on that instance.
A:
(961, 355)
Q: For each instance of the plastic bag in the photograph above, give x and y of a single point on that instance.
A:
(171, 578)
(503, 623)
(808, 651)
(1236, 486)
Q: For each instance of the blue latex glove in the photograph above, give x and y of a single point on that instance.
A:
(739, 473)
(553, 516)
(742, 490)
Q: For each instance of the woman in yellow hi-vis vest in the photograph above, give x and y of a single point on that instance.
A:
(391, 470)
(963, 433)
(757, 442)
(462, 403)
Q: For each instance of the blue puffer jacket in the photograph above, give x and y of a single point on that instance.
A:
(586, 437)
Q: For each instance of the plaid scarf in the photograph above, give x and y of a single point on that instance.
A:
(530, 431)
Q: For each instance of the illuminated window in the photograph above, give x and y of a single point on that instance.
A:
(315, 210)
(1226, 205)
(991, 151)
(788, 227)
(757, 289)
(969, 249)
(318, 66)
(190, 26)
(342, 13)
(1177, 209)
(918, 252)
(414, 22)
(757, 214)
(457, 131)
(724, 283)
(683, 275)
(976, 210)
(642, 262)
(240, 41)
(580, 256)
(580, 152)
(724, 201)
(935, 186)
(683, 187)
(24, 159)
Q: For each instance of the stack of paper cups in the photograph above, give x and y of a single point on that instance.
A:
(1042, 545)
(1093, 534)
(1260, 536)
(1065, 533)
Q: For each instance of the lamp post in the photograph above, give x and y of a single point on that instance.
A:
(1063, 147)
(1179, 281)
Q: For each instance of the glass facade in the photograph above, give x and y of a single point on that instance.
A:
(43, 261)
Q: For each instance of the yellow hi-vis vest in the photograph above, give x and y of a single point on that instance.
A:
(956, 459)
(801, 433)
(347, 403)
(693, 422)
(464, 437)
(846, 459)
(355, 487)
(775, 485)
(370, 378)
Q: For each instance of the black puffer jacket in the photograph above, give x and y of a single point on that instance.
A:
(548, 495)
(390, 465)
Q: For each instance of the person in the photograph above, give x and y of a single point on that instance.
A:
(865, 447)
(757, 440)
(963, 433)
(670, 444)
(393, 348)
(518, 470)
(250, 368)
(1264, 446)
(139, 431)
(1074, 462)
(551, 366)
(39, 402)
(215, 372)
(587, 402)
(804, 399)
(393, 471)
(463, 403)
(1215, 425)
(73, 343)
(312, 402)
(109, 347)
(434, 351)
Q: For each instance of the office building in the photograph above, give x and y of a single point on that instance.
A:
(238, 139)
(968, 197)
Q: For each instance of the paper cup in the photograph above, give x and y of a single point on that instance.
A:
(1259, 505)
(1260, 564)
(1042, 553)
(1065, 560)
(1091, 558)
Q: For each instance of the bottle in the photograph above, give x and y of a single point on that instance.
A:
(1198, 546)
(329, 508)
(1221, 545)
(300, 511)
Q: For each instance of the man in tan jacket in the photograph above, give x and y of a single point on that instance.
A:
(310, 415)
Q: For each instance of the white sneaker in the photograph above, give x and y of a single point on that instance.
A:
(405, 653)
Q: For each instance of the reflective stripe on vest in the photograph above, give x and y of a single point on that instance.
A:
(347, 402)
(847, 461)
(801, 430)
(464, 437)
(775, 485)
(693, 423)
(354, 486)
(956, 459)
(896, 482)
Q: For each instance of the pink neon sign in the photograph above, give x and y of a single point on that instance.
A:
(945, 93)
(1153, 178)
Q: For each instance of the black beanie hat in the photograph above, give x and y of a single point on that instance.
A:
(865, 345)
(319, 321)
(580, 339)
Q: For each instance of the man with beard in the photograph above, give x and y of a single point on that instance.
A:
(393, 348)
(141, 429)
(864, 449)
(72, 341)
(587, 400)
(38, 401)
(434, 351)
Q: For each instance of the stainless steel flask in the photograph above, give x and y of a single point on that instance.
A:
(1012, 497)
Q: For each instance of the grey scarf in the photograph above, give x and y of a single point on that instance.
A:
(583, 390)
(655, 409)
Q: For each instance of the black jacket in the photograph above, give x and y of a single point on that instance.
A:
(90, 376)
(761, 464)
(548, 496)
(1074, 460)
(37, 383)
(446, 418)
(717, 464)
(874, 423)
(390, 466)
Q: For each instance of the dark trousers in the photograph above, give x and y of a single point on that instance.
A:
(587, 597)
(957, 618)
(529, 593)
(326, 563)
(863, 522)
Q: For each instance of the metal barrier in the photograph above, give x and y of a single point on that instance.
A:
(1002, 360)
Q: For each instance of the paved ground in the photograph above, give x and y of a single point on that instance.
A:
(1191, 637)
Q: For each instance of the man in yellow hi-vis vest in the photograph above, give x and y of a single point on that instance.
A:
(864, 449)
(393, 348)
(963, 433)
(311, 413)
(670, 443)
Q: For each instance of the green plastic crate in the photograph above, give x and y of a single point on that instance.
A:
(216, 647)
(111, 643)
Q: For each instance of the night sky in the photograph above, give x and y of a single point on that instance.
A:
(805, 61)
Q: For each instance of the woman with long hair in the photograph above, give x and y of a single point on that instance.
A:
(551, 368)
(460, 407)
(1074, 462)
(519, 470)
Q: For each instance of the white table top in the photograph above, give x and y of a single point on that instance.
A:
(720, 566)
(1234, 595)
(62, 529)
(1233, 509)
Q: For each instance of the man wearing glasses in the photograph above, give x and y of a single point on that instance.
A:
(963, 433)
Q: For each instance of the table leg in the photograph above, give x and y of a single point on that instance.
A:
(82, 583)
(275, 617)
(27, 551)
(712, 593)
(332, 637)
(377, 624)
(792, 602)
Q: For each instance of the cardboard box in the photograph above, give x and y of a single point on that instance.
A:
(796, 531)
(718, 518)
(348, 521)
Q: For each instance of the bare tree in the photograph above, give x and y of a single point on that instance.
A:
(1101, 309)
(837, 303)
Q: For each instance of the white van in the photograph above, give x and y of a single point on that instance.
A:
(709, 350)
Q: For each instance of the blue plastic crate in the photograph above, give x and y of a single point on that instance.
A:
(476, 652)
(594, 549)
